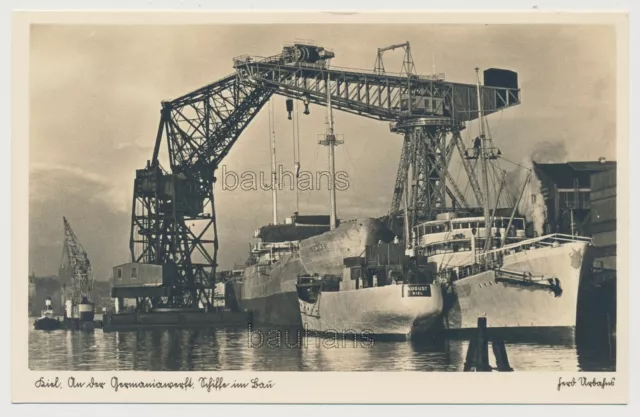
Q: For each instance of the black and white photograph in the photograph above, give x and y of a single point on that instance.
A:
(414, 197)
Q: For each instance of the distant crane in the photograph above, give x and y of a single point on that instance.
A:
(76, 269)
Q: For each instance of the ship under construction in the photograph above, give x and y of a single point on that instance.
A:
(441, 250)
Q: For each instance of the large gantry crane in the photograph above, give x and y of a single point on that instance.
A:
(173, 221)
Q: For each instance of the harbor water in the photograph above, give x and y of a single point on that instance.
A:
(282, 350)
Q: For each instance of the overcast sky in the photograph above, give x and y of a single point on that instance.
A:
(96, 93)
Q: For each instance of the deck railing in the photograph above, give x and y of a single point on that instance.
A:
(494, 258)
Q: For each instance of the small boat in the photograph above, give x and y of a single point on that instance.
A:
(47, 320)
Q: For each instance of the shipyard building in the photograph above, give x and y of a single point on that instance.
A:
(580, 199)
(566, 189)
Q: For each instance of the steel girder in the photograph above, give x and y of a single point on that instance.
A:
(378, 96)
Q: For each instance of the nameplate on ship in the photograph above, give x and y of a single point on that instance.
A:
(419, 291)
(317, 248)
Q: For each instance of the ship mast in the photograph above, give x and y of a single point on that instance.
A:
(408, 243)
(483, 163)
(331, 142)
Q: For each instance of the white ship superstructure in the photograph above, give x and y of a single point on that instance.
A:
(450, 241)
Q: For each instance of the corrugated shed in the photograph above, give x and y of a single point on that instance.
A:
(563, 175)
(603, 218)
(603, 180)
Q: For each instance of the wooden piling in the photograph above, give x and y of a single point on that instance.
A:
(471, 355)
(478, 353)
(477, 358)
(500, 353)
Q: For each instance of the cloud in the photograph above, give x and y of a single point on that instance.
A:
(48, 179)
(46, 169)
(132, 145)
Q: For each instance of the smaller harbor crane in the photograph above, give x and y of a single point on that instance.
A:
(77, 276)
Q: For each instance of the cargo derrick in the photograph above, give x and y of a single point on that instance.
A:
(201, 127)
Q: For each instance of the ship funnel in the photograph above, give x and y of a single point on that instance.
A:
(446, 216)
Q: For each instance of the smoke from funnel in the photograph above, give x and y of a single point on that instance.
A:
(532, 205)
(549, 153)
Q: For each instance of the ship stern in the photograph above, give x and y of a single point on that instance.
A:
(393, 311)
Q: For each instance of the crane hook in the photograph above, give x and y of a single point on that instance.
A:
(306, 105)
(289, 108)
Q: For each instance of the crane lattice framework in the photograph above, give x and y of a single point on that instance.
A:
(173, 217)
(408, 66)
(75, 269)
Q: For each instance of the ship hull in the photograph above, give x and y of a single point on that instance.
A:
(380, 311)
(279, 308)
(269, 292)
(513, 303)
(46, 323)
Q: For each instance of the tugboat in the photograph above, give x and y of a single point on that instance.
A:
(47, 320)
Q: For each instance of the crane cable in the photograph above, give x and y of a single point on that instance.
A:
(296, 151)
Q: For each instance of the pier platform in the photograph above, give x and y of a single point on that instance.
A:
(140, 320)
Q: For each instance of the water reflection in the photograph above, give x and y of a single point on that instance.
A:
(226, 349)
